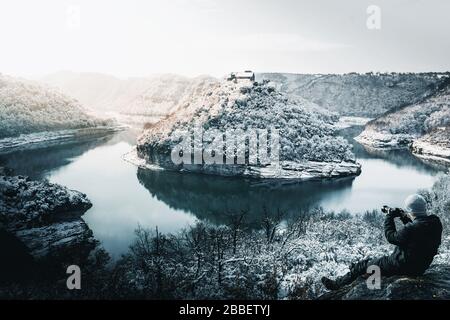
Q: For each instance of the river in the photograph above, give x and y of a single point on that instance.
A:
(124, 196)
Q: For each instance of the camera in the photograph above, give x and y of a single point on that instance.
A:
(395, 211)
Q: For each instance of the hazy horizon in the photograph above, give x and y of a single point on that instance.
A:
(136, 38)
(151, 75)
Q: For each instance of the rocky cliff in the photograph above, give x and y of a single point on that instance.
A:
(46, 218)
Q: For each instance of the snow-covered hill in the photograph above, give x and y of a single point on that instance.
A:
(434, 146)
(363, 95)
(308, 145)
(27, 107)
(153, 96)
(399, 127)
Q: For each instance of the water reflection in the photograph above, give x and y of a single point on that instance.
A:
(38, 163)
(401, 158)
(211, 198)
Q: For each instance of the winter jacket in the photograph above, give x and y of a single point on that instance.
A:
(416, 243)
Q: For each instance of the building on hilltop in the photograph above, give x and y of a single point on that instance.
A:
(246, 75)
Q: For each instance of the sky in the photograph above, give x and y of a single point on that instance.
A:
(128, 38)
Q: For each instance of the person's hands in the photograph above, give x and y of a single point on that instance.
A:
(396, 213)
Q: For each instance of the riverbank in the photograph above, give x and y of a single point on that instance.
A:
(434, 146)
(384, 140)
(286, 172)
(51, 138)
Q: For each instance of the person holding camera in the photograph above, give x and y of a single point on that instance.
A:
(416, 244)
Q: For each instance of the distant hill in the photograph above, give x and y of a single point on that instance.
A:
(153, 96)
(400, 126)
(364, 95)
(27, 107)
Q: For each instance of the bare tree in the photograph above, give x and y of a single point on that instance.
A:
(236, 225)
(220, 240)
(271, 223)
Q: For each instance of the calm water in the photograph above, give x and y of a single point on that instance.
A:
(124, 196)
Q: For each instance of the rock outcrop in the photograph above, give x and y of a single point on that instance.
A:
(46, 218)
(433, 285)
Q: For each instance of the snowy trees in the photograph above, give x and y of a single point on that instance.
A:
(416, 119)
(26, 107)
(438, 199)
(284, 259)
(367, 95)
(400, 127)
(279, 261)
(307, 132)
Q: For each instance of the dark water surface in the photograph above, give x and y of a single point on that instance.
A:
(124, 196)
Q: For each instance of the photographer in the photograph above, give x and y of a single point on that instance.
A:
(416, 244)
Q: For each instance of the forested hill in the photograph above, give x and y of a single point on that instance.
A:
(353, 94)
(401, 126)
(307, 132)
(417, 118)
(27, 107)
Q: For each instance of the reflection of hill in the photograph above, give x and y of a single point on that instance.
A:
(402, 158)
(35, 163)
(211, 197)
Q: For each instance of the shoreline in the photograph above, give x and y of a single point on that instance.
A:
(288, 172)
(386, 141)
(45, 139)
(417, 146)
(429, 152)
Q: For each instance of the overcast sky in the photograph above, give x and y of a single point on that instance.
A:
(192, 37)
